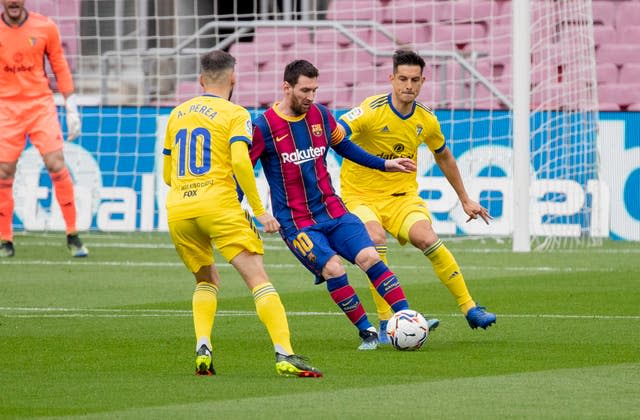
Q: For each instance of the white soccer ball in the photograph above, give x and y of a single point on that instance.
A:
(407, 330)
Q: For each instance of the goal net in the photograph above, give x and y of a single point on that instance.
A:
(133, 61)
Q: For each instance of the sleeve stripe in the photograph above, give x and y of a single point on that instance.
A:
(166, 152)
(337, 135)
(239, 138)
(441, 148)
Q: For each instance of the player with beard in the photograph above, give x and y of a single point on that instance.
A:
(205, 154)
(291, 140)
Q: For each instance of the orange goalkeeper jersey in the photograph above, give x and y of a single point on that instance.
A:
(22, 51)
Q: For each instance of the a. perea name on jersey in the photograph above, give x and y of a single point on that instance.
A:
(201, 109)
(301, 156)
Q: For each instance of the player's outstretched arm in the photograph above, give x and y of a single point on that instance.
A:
(400, 165)
(449, 167)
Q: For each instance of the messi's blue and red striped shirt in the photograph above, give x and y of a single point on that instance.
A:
(293, 152)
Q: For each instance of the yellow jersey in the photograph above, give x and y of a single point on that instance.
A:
(381, 130)
(198, 139)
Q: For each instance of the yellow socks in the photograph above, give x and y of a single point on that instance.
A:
(449, 273)
(271, 313)
(382, 307)
(204, 304)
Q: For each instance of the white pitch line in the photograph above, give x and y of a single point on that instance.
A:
(129, 245)
(90, 263)
(281, 246)
(27, 312)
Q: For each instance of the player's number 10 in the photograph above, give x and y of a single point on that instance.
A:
(198, 143)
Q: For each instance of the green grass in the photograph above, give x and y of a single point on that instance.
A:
(112, 336)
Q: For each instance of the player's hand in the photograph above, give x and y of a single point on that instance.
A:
(268, 222)
(475, 210)
(73, 118)
(400, 165)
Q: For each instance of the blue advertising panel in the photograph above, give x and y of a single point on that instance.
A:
(117, 169)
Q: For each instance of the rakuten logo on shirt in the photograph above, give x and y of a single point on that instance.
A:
(301, 156)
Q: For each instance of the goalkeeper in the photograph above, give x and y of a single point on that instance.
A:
(393, 126)
(27, 108)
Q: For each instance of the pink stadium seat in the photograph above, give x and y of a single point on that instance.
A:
(332, 36)
(608, 106)
(335, 97)
(485, 99)
(542, 73)
(618, 54)
(187, 90)
(320, 57)
(44, 7)
(347, 76)
(246, 79)
(622, 94)
(437, 95)
(365, 90)
(628, 35)
(263, 94)
(355, 10)
(630, 73)
(500, 32)
(405, 11)
(272, 71)
(469, 11)
(555, 95)
(606, 73)
(604, 34)
(628, 14)
(284, 37)
(408, 33)
(604, 12)
(458, 35)
(248, 56)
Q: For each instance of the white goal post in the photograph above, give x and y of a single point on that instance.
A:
(512, 82)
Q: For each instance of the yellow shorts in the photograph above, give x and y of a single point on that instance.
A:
(395, 214)
(231, 232)
(36, 118)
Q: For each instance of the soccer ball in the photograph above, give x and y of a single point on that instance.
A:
(407, 330)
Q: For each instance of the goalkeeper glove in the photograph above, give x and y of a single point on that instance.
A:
(73, 117)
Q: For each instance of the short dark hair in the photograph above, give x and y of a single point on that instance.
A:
(407, 57)
(214, 63)
(298, 68)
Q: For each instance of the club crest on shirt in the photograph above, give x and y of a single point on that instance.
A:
(419, 129)
(316, 129)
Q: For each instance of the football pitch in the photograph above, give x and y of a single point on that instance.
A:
(111, 336)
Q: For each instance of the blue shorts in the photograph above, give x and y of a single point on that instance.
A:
(314, 245)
